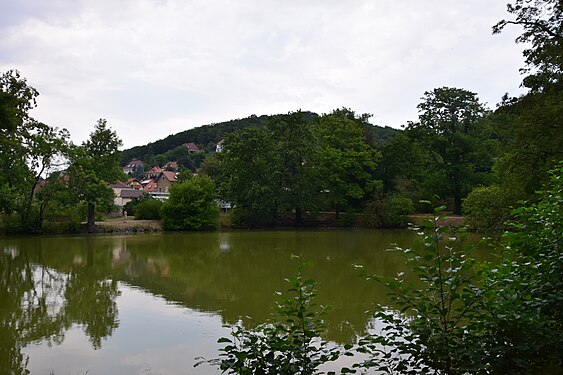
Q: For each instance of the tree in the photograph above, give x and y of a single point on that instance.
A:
(345, 161)
(532, 124)
(294, 146)
(95, 165)
(29, 149)
(191, 205)
(251, 178)
(542, 21)
(452, 129)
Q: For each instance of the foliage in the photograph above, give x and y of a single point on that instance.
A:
(148, 209)
(133, 203)
(452, 128)
(251, 174)
(207, 136)
(292, 143)
(487, 208)
(28, 150)
(531, 132)
(523, 294)
(296, 167)
(542, 21)
(288, 344)
(60, 218)
(94, 165)
(344, 160)
(191, 205)
(389, 211)
(531, 126)
(431, 332)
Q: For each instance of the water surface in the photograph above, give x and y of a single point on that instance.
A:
(150, 304)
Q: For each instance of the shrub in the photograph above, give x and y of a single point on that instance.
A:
(191, 205)
(148, 209)
(389, 211)
(61, 219)
(132, 204)
(431, 331)
(487, 208)
(247, 218)
(523, 294)
(288, 344)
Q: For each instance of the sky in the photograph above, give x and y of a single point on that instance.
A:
(152, 68)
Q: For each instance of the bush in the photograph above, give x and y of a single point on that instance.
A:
(148, 210)
(487, 208)
(132, 205)
(432, 330)
(288, 344)
(390, 211)
(61, 219)
(191, 205)
(247, 218)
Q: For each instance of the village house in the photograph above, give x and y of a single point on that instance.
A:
(164, 180)
(134, 166)
(149, 186)
(170, 166)
(134, 184)
(123, 193)
(192, 147)
(153, 173)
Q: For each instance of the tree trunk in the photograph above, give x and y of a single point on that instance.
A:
(91, 227)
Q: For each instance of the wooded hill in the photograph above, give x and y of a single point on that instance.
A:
(207, 136)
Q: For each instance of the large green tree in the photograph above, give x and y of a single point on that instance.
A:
(344, 160)
(251, 181)
(293, 143)
(451, 127)
(95, 165)
(29, 149)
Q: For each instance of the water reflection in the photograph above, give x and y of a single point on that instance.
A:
(40, 303)
(50, 287)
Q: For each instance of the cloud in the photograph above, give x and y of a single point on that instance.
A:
(154, 67)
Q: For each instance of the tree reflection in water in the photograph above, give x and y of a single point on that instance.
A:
(39, 304)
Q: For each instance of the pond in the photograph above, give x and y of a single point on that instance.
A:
(150, 304)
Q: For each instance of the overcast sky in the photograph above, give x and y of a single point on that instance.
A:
(158, 67)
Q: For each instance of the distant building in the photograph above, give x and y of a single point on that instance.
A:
(153, 173)
(164, 180)
(149, 186)
(192, 147)
(134, 184)
(171, 166)
(133, 166)
(219, 146)
(123, 193)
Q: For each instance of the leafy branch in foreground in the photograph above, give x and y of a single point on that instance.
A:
(430, 332)
(290, 343)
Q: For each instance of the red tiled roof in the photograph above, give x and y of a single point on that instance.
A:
(191, 146)
(151, 186)
(171, 176)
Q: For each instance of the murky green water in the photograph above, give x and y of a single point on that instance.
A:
(149, 304)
